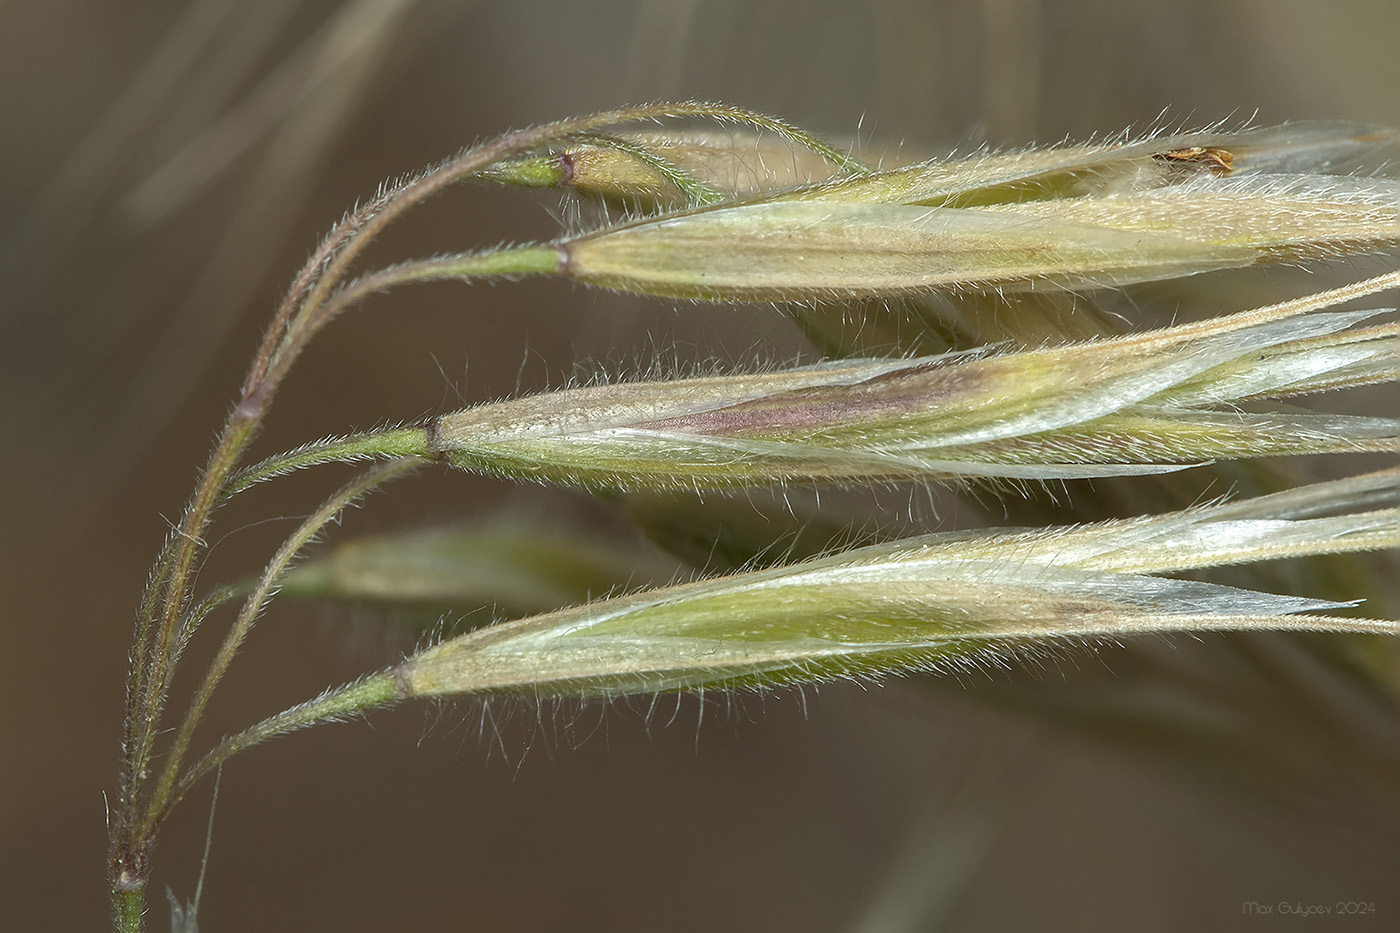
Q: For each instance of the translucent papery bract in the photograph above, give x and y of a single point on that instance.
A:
(1277, 216)
(1108, 168)
(1129, 405)
(1314, 146)
(1347, 358)
(925, 602)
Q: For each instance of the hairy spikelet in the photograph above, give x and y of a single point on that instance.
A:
(1134, 404)
(913, 604)
(1071, 217)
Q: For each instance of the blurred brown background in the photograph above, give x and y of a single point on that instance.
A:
(166, 166)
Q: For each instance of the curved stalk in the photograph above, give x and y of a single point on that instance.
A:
(252, 608)
(374, 692)
(289, 332)
(400, 442)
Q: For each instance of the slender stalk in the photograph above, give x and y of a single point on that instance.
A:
(507, 262)
(152, 650)
(374, 692)
(252, 608)
(127, 910)
(402, 442)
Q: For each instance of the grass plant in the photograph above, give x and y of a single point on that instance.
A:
(1006, 374)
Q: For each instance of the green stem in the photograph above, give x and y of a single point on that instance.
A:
(373, 692)
(127, 909)
(153, 651)
(252, 608)
(396, 442)
(376, 691)
(200, 611)
(507, 262)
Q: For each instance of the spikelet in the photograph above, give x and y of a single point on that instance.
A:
(916, 604)
(1135, 404)
(1073, 217)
